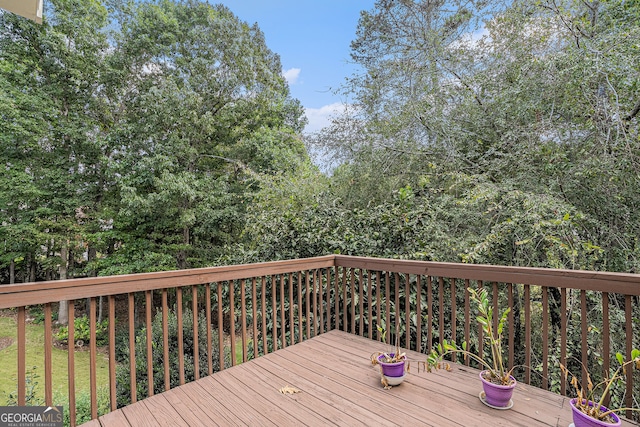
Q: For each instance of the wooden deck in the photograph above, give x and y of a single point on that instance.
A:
(338, 386)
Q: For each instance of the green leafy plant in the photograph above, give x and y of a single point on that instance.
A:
(584, 397)
(497, 371)
(82, 331)
(31, 385)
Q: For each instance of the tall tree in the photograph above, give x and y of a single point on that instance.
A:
(206, 104)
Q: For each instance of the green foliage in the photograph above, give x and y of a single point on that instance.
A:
(83, 405)
(31, 395)
(82, 331)
(492, 337)
(123, 371)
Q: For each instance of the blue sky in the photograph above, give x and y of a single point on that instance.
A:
(312, 38)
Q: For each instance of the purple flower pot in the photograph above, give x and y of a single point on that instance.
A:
(395, 369)
(580, 419)
(495, 394)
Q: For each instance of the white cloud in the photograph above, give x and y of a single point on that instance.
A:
(321, 117)
(291, 75)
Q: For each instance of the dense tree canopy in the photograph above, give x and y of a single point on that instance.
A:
(153, 135)
(134, 135)
(528, 121)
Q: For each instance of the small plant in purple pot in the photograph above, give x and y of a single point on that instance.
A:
(589, 410)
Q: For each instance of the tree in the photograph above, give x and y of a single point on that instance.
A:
(205, 106)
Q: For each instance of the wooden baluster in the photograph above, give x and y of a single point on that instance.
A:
(344, 299)
(480, 330)
(314, 281)
(265, 347)
(396, 315)
(71, 349)
(300, 315)
(307, 297)
(441, 308)
(360, 302)
(180, 336)
(452, 291)
(407, 311)
(496, 308)
(243, 318)
(232, 320)
(378, 304)
(512, 332)
(545, 337)
(321, 299)
(22, 356)
(254, 307)
(283, 329)
(628, 315)
(527, 334)
(93, 358)
(207, 296)
(220, 327)
(112, 352)
(387, 287)
(370, 304)
(606, 345)
(165, 339)
(583, 336)
(196, 338)
(48, 358)
(149, 325)
(467, 317)
(292, 308)
(132, 347)
(563, 336)
(274, 311)
(337, 297)
(429, 313)
(419, 312)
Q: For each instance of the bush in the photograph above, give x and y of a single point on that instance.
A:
(123, 389)
(83, 405)
(82, 332)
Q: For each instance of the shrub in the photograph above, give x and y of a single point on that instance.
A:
(82, 332)
(123, 389)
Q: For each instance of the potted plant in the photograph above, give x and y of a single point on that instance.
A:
(497, 382)
(393, 363)
(589, 410)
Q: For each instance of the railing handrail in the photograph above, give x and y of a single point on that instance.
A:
(33, 293)
(56, 290)
(623, 283)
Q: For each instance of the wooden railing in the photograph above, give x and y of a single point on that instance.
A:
(225, 315)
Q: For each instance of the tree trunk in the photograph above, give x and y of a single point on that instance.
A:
(63, 318)
(12, 272)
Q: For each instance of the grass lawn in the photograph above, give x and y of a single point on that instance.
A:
(35, 358)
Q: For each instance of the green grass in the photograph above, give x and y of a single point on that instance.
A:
(35, 358)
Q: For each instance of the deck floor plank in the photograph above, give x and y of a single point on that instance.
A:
(114, 418)
(397, 405)
(312, 396)
(139, 415)
(189, 402)
(338, 386)
(269, 391)
(226, 399)
(165, 412)
(462, 385)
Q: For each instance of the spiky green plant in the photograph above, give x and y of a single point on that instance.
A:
(497, 371)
